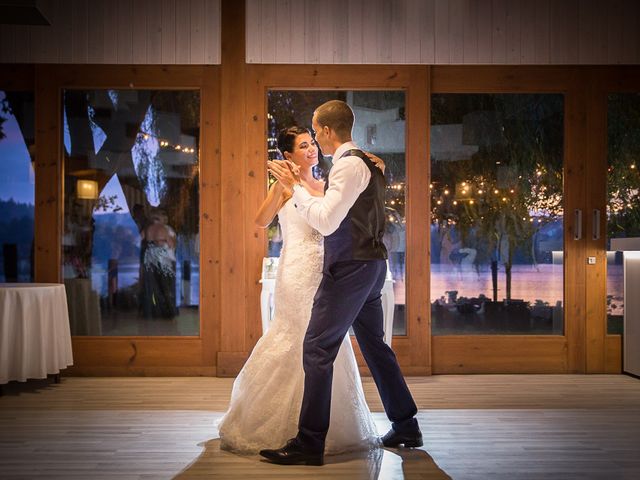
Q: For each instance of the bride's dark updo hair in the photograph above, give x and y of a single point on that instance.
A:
(287, 138)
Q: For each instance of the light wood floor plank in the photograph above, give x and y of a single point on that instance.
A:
(475, 427)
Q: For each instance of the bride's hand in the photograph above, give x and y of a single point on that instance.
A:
(283, 173)
(377, 161)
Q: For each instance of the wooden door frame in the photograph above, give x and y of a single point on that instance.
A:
(604, 351)
(413, 349)
(131, 355)
(535, 353)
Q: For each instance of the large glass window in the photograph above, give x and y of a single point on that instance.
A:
(623, 194)
(496, 214)
(17, 186)
(380, 129)
(131, 196)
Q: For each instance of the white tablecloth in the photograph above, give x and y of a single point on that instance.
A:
(34, 331)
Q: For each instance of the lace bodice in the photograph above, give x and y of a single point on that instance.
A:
(295, 229)
(301, 260)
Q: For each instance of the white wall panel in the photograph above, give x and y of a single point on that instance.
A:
(334, 31)
(119, 32)
(506, 32)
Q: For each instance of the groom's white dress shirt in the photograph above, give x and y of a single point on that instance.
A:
(348, 178)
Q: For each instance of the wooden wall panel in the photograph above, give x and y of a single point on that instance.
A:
(183, 35)
(48, 180)
(355, 34)
(282, 44)
(212, 32)
(118, 32)
(498, 31)
(153, 32)
(450, 32)
(138, 11)
(441, 41)
(109, 33)
(427, 32)
(96, 35)
(574, 197)
(513, 32)
(270, 33)
(126, 23)
(499, 354)
(197, 32)
(340, 36)
(369, 25)
(412, 31)
(233, 168)
(297, 31)
(79, 31)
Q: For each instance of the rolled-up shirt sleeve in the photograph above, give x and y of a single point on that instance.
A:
(348, 178)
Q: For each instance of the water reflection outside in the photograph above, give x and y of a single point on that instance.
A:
(496, 214)
(131, 240)
(17, 186)
(623, 194)
(380, 129)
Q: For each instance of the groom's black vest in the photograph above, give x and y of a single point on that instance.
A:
(359, 236)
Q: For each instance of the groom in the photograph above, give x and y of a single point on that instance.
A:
(351, 217)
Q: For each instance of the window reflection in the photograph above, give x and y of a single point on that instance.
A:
(131, 239)
(380, 129)
(17, 186)
(496, 214)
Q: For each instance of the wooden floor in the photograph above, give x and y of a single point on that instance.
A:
(475, 427)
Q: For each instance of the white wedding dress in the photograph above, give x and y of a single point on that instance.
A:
(267, 394)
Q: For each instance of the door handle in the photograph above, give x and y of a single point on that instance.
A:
(595, 228)
(577, 234)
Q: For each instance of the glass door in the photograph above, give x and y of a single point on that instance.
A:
(507, 242)
(123, 160)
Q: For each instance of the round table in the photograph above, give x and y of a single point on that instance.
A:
(35, 339)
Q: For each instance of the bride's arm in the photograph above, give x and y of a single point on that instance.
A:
(275, 199)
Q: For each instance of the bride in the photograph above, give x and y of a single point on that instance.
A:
(267, 394)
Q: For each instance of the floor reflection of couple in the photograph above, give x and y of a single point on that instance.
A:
(322, 288)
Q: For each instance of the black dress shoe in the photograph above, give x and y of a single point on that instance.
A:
(394, 439)
(293, 454)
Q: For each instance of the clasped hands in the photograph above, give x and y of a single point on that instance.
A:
(286, 172)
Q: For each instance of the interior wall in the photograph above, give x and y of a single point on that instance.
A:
(443, 32)
(142, 32)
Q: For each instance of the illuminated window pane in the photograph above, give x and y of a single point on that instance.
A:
(496, 214)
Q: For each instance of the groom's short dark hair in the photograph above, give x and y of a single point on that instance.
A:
(336, 115)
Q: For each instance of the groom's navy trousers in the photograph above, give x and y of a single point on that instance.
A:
(349, 295)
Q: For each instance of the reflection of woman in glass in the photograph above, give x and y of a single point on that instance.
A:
(159, 267)
(273, 375)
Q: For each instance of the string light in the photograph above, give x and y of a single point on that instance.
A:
(165, 144)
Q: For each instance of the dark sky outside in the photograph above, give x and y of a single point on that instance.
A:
(16, 177)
